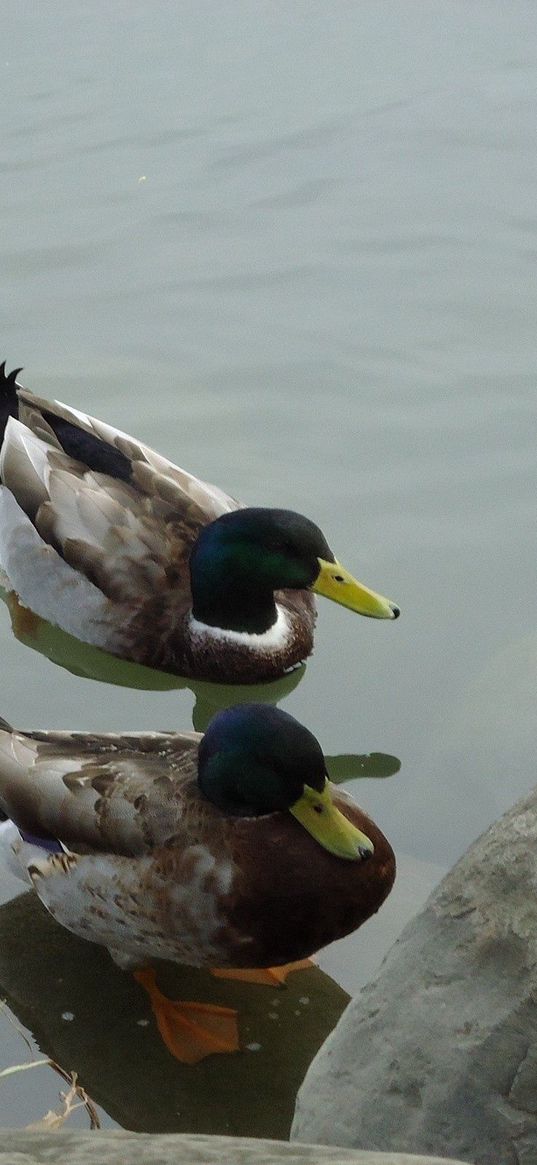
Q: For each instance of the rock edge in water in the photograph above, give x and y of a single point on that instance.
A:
(439, 1053)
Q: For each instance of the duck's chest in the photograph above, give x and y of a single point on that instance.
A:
(291, 898)
(238, 657)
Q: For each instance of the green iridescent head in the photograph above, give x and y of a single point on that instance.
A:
(240, 559)
(255, 759)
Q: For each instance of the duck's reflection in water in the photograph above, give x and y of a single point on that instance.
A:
(94, 1020)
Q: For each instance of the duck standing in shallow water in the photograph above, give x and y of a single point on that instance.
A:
(231, 850)
(103, 537)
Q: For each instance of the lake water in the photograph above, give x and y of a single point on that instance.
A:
(293, 247)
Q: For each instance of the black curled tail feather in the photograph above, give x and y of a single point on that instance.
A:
(94, 452)
(9, 401)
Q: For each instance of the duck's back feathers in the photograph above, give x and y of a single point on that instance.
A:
(143, 863)
(109, 450)
(126, 794)
(90, 512)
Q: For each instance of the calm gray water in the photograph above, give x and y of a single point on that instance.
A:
(294, 248)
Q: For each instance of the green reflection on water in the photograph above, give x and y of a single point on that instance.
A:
(89, 662)
(347, 766)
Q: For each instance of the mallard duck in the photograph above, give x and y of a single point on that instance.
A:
(229, 850)
(103, 537)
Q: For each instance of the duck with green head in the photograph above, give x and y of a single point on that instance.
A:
(230, 850)
(103, 537)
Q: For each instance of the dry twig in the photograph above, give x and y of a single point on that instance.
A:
(53, 1120)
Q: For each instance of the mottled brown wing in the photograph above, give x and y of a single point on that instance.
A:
(120, 794)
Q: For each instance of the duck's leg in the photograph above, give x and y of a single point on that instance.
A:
(190, 1031)
(269, 976)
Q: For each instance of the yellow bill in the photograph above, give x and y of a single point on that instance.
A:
(334, 582)
(319, 816)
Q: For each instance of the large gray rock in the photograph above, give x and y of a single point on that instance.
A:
(440, 1053)
(19, 1147)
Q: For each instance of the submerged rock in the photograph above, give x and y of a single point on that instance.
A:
(439, 1054)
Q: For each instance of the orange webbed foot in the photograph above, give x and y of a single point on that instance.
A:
(267, 976)
(191, 1031)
